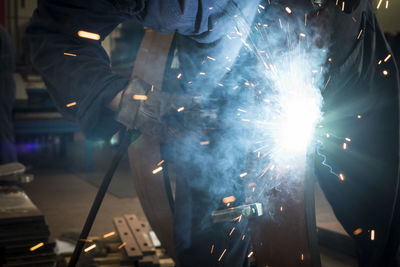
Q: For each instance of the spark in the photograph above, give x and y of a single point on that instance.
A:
(357, 231)
(233, 229)
(261, 6)
(157, 170)
(387, 57)
(243, 236)
(387, 4)
(139, 97)
(347, 139)
(179, 75)
(302, 34)
(70, 104)
(250, 254)
(302, 256)
(180, 109)
(328, 135)
(344, 146)
(202, 73)
(204, 143)
(241, 110)
(372, 235)
(281, 208)
(330, 59)
(359, 35)
(89, 35)
(220, 84)
(243, 174)
(288, 10)
(359, 116)
(380, 62)
(108, 234)
(385, 72)
(220, 257)
(379, 4)
(152, 88)
(122, 245)
(211, 58)
(341, 177)
(160, 163)
(229, 199)
(35, 247)
(212, 249)
(343, 3)
(89, 248)
(70, 54)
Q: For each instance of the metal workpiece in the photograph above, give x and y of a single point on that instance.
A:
(231, 214)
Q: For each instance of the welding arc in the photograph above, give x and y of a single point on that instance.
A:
(126, 140)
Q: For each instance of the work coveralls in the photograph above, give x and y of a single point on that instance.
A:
(366, 198)
(361, 103)
(7, 96)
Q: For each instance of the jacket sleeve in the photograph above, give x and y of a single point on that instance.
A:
(77, 70)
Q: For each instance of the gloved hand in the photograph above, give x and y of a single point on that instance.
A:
(151, 111)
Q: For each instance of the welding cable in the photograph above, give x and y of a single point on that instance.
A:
(126, 140)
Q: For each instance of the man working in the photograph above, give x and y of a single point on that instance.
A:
(85, 89)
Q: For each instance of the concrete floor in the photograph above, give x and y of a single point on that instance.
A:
(65, 198)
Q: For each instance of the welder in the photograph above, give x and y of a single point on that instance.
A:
(7, 96)
(87, 81)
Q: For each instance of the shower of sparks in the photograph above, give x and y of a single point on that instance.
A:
(35, 247)
(89, 248)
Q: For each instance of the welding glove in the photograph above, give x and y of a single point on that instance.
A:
(151, 111)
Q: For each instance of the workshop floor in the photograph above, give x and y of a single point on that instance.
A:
(65, 198)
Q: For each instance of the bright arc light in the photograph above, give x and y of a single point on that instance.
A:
(300, 112)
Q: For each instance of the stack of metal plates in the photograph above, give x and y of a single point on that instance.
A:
(23, 231)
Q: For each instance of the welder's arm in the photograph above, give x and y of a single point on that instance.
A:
(77, 70)
(83, 85)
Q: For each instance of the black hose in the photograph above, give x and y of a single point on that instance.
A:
(126, 139)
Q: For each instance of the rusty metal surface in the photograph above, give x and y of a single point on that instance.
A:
(142, 238)
(131, 247)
